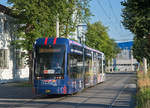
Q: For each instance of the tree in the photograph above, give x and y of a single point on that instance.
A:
(141, 49)
(98, 38)
(136, 18)
(37, 18)
(71, 13)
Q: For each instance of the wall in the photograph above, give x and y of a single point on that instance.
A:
(10, 72)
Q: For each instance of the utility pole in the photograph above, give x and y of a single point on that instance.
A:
(112, 67)
(145, 62)
(80, 34)
(102, 63)
(108, 65)
(132, 60)
(145, 65)
(57, 27)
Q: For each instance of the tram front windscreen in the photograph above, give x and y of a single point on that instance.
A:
(50, 61)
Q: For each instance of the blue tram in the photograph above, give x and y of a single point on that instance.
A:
(63, 66)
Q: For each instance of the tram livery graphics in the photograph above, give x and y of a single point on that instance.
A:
(63, 66)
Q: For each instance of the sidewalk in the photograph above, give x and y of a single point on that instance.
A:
(13, 91)
(12, 95)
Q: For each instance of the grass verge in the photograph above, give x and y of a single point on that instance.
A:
(143, 91)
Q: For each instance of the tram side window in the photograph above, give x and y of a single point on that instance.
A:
(96, 65)
(76, 66)
(100, 65)
(88, 65)
(104, 65)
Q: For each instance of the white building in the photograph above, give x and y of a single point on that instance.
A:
(12, 66)
(80, 31)
(124, 60)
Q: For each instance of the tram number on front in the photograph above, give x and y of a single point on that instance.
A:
(47, 91)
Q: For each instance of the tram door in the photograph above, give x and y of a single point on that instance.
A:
(75, 72)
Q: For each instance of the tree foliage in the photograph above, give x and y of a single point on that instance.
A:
(136, 18)
(98, 38)
(37, 18)
(141, 49)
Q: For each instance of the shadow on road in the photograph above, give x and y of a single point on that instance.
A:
(99, 96)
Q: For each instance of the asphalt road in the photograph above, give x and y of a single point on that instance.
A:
(116, 92)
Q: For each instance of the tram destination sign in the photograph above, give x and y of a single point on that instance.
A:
(48, 50)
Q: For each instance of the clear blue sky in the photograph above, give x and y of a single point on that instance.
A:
(109, 13)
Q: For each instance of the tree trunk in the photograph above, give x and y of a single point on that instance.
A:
(30, 66)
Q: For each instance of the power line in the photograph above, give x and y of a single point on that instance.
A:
(103, 9)
(108, 16)
(110, 5)
(112, 11)
(105, 13)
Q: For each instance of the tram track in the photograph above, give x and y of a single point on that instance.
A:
(116, 101)
(54, 101)
(107, 82)
(117, 97)
(36, 100)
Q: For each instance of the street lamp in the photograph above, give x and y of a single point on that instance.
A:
(81, 38)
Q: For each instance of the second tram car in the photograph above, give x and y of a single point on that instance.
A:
(63, 66)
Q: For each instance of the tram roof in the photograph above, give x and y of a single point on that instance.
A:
(51, 41)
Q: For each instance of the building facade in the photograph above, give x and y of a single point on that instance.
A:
(124, 60)
(12, 62)
(79, 34)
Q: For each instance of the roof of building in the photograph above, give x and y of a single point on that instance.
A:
(5, 9)
(125, 45)
(8, 11)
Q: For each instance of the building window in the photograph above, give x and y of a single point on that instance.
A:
(1, 26)
(20, 64)
(6, 26)
(3, 58)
